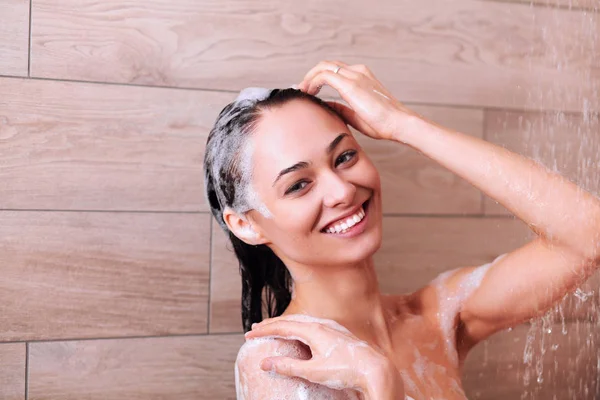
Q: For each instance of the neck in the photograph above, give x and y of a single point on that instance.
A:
(348, 295)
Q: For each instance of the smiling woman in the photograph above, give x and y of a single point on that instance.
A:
(295, 192)
(301, 203)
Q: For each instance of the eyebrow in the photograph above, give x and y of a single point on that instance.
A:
(304, 164)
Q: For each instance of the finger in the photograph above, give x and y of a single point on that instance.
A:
(322, 66)
(267, 321)
(345, 70)
(303, 318)
(308, 370)
(351, 117)
(264, 321)
(287, 366)
(337, 81)
(363, 69)
(304, 332)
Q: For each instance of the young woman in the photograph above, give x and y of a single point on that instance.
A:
(301, 203)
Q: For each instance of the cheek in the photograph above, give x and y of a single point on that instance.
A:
(370, 175)
(297, 220)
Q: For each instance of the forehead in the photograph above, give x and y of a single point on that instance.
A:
(297, 131)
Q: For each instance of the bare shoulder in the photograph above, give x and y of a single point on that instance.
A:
(253, 383)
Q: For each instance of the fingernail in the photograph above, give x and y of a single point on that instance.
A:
(267, 365)
(253, 325)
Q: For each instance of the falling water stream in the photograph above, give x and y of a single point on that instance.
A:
(561, 356)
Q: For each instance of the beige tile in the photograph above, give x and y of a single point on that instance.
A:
(12, 371)
(90, 275)
(416, 250)
(14, 37)
(225, 285)
(75, 146)
(565, 143)
(412, 182)
(568, 4)
(465, 52)
(567, 364)
(183, 368)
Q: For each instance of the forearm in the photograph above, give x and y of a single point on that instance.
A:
(550, 204)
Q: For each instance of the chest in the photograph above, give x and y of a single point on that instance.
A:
(427, 361)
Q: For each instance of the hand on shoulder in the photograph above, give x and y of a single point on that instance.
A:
(254, 383)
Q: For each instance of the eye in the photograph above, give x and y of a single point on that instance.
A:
(345, 157)
(296, 187)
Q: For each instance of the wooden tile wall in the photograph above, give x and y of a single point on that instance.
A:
(114, 282)
(14, 37)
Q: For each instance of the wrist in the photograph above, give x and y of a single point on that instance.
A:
(407, 126)
(385, 383)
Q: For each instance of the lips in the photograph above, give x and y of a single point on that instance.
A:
(347, 221)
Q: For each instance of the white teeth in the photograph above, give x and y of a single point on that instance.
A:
(348, 223)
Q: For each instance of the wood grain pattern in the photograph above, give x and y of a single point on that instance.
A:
(12, 371)
(413, 183)
(498, 370)
(465, 52)
(72, 146)
(183, 368)
(593, 5)
(414, 251)
(82, 275)
(14, 37)
(568, 144)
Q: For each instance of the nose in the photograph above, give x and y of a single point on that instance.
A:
(338, 191)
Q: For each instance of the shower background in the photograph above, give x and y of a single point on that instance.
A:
(114, 281)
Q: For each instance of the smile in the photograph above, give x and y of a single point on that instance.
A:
(349, 226)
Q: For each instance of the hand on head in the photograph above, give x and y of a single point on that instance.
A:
(373, 109)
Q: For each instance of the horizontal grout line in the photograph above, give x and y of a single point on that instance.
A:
(415, 103)
(26, 341)
(403, 215)
(124, 84)
(226, 333)
(561, 7)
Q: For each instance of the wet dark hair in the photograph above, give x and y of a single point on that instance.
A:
(225, 182)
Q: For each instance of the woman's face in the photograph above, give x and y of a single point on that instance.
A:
(316, 181)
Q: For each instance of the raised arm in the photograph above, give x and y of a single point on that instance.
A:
(529, 280)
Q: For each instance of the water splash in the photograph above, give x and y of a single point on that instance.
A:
(561, 130)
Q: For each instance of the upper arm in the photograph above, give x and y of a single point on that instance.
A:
(252, 383)
(523, 284)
